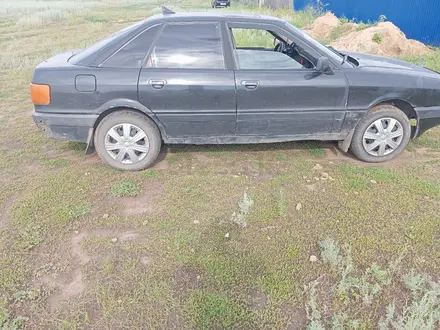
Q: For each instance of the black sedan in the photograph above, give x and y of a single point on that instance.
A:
(192, 78)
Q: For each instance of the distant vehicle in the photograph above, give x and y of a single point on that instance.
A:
(185, 79)
(220, 3)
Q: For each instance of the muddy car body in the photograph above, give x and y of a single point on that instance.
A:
(182, 78)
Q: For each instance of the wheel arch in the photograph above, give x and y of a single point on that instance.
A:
(120, 105)
(400, 104)
(403, 106)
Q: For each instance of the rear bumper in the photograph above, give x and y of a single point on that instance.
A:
(219, 3)
(67, 127)
(427, 117)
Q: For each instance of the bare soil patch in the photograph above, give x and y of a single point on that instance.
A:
(71, 284)
(145, 203)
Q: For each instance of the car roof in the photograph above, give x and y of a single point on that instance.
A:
(201, 16)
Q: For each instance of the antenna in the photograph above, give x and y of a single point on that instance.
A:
(166, 11)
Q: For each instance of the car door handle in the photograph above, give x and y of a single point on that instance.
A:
(250, 84)
(157, 84)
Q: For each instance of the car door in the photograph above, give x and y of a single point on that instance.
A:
(277, 95)
(185, 81)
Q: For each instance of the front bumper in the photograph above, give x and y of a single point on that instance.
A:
(427, 117)
(67, 127)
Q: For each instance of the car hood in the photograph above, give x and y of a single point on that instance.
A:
(366, 60)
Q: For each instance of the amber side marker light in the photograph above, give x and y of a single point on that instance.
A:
(40, 94)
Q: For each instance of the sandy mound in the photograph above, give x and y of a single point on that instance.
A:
(384, 39)
(323, 26)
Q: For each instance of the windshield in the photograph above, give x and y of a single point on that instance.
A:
(100, 44)
(323, 49)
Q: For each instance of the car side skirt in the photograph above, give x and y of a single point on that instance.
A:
(253, 139)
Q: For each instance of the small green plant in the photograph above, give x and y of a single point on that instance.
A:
(244, 206)
(337, 32)
(7, 322)
(382, 18)
(26, 295)
(150, 173)
(79, 211)
(377, 38)
(344, 20)
(312, 308)
(125, 188)
(362, 26)
(423, 312)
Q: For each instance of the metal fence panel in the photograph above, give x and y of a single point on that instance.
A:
(418, 19)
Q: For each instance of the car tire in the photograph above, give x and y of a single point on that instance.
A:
(372, 140)
(144, 151)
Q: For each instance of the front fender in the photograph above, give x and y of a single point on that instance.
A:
(427, 118)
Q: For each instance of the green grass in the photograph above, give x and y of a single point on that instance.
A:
(431, 61)
(184, 261)
(150, 173)
(125, 188)
(214, 311)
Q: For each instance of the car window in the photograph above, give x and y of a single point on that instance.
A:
(264, 60)
(133, 53)
(246, 38)
(261, 49)
(188, 46)
(103, 43)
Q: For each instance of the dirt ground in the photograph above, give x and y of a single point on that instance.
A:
(83, 246)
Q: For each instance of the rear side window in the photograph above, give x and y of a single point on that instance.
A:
(188, 46)
(133, 53)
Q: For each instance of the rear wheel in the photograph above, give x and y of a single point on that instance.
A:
(382, 135)
(127, 141)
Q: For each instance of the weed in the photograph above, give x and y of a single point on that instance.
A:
(343, 19)
(382, 18)
(26, 295)
(312, 309)
(150, 173)
(282, 156)
(362, 26)
(125, 188)
(336, 33)
(416, 283)
(212, 311)
(377, 38)
(424, 310)
(79, 211)
(7, 322)
(244, 206)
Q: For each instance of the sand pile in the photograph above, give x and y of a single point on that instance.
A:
(382, 39)
(323, 26)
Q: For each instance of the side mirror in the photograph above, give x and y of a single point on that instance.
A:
(323, 65)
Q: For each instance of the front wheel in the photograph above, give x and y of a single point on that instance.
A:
(127, 140)
(382, 135)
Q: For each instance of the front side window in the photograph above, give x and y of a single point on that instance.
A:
(133, 53)
(258, 49)
(188, 46)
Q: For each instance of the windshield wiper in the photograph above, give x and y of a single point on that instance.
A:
(345, 58)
